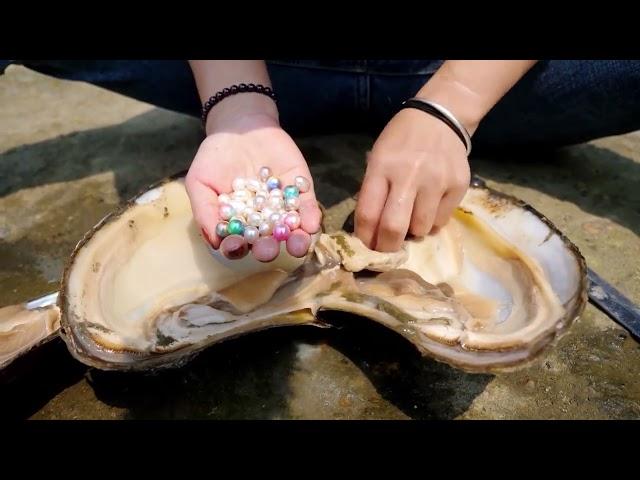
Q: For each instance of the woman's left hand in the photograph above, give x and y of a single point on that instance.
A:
(417, 174)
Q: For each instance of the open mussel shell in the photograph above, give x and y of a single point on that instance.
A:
(24, 328)
(488, 292)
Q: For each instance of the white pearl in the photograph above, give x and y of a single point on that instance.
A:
(292, 203)
(265, 229)
(303, 184)
(259, 202)
(227, 211)
(237, 205)
(224, 198)
(276, 203)
(264, 173)
(238, 183)
(276, 192)
(251, 234)
(254, 219)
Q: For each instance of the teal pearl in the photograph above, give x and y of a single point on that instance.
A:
(235, 227)
(291, 191)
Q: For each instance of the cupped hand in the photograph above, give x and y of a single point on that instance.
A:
(417, 174)
(239, 147)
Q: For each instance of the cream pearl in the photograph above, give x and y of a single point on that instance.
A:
(303, 184)
(259, 202)
(242, 195)
(276, 192)
(264, 173)
(265, 229)
(238, 183)
(254, 219)
(292, 203)
(253, 185)
(266, 213)
(224, 198)
(276, 203)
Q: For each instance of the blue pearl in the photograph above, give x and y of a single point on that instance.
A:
(291, 191)
(272, 182)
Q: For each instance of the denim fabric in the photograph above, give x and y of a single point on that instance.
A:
(558, 102)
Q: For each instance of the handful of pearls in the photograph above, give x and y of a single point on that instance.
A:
(260, 210)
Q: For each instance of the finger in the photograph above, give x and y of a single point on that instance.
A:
(234, 247)
(371, 201)
(395, 219)
(204, 204)
(265, 249)
(447, 205)
(310, 214)
(298, 243)
(424, 211)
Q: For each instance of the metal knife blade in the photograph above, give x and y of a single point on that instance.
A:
(618, 307)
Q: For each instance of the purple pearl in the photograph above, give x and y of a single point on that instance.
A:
(273, 182)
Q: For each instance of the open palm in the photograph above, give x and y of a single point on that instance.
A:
(239, 151)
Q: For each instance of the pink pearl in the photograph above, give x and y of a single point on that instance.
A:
(292, 220)
(281, 232)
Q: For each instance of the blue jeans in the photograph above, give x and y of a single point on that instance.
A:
(559, 102)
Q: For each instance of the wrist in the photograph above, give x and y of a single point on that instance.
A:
(468, 107)
(233, 109)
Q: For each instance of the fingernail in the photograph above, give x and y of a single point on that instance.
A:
(234, 247)
(266, 249)
(298, 243)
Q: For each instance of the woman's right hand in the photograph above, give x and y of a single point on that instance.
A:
(243, 137)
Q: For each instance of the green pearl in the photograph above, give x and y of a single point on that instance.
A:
(235, 227)
(291, 191)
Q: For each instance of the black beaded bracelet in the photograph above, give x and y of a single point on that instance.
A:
(233, 90)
